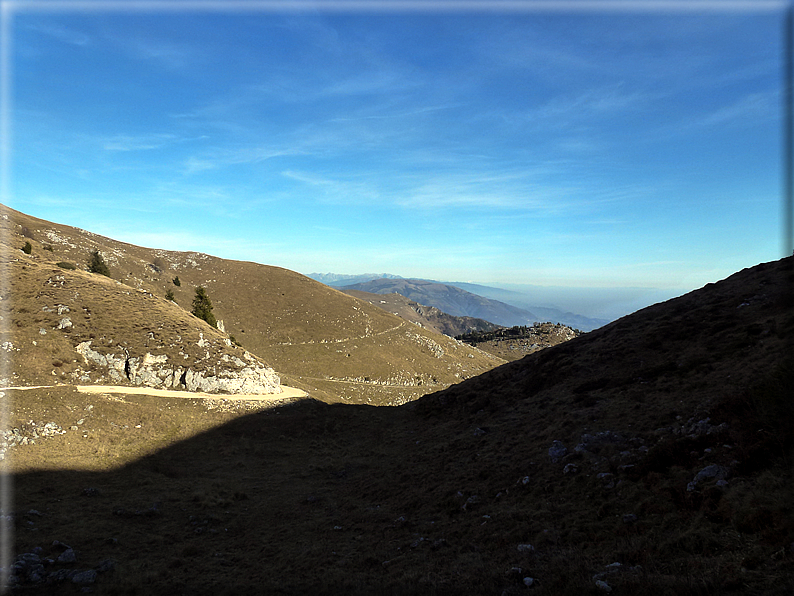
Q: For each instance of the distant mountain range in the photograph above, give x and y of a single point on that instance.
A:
(506, 307)
(450, 299)
(428, 317)
(337, 280)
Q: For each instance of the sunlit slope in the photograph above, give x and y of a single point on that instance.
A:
(65, 326)
(334, 346)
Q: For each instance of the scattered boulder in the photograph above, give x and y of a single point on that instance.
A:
(526, 548)
(570, 469)
(472, 502)
(712, 471)
(557, 451)
(84, 578)
(67, 556)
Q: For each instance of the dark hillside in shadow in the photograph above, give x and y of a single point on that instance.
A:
(653, 456)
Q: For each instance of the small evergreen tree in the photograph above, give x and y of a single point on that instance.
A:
(97, 264)
(176, 281)
(202, 306)
(169, 295)
(28, 248)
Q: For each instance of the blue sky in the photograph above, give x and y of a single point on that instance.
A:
(586, 147)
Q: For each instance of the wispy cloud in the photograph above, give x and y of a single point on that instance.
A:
(596, 102)
(749, 108)
(61, 33)
(138, 143)
(352, 190)
(221, 157)
(170, 55)
(507, 190)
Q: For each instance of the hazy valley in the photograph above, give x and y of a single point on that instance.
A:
(504, 307)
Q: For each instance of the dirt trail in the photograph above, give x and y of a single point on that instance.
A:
(286, 393)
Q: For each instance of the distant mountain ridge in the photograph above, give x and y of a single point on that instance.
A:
(547, 313)
(337, 280)
(450, 299)
(428, 317)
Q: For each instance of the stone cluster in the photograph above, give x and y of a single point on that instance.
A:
(229, 375)
(32, 569)
(16, 436)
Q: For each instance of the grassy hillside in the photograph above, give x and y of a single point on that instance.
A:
(653, 455)
(334, 346)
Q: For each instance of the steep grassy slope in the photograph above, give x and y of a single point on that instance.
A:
(654, 455)
(334, 346)
(66, 326)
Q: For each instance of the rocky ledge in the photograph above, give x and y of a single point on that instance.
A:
(218, 373)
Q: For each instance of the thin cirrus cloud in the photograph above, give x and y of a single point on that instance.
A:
(60, 33)
(352, 191)
(220, 157)
(138, 143)
(749, 108)
(588, 105)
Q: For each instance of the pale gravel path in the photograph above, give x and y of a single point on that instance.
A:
(286, 393)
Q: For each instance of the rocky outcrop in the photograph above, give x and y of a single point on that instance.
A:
(227, 374)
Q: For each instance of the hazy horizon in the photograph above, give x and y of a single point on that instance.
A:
(636, 148)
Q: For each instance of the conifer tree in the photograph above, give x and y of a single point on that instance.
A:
(97, 264)
(202, 306)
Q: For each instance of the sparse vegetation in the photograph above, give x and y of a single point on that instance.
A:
(97, 264)
(202, 307)
(48, 247)
(65, 265)
(28, 248)
(169, 295)
(176, 281)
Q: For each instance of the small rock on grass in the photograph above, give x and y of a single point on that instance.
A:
(84, 578)
(67, 556)
(526, 548)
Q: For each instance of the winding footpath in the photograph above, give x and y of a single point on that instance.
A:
(286, 393)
